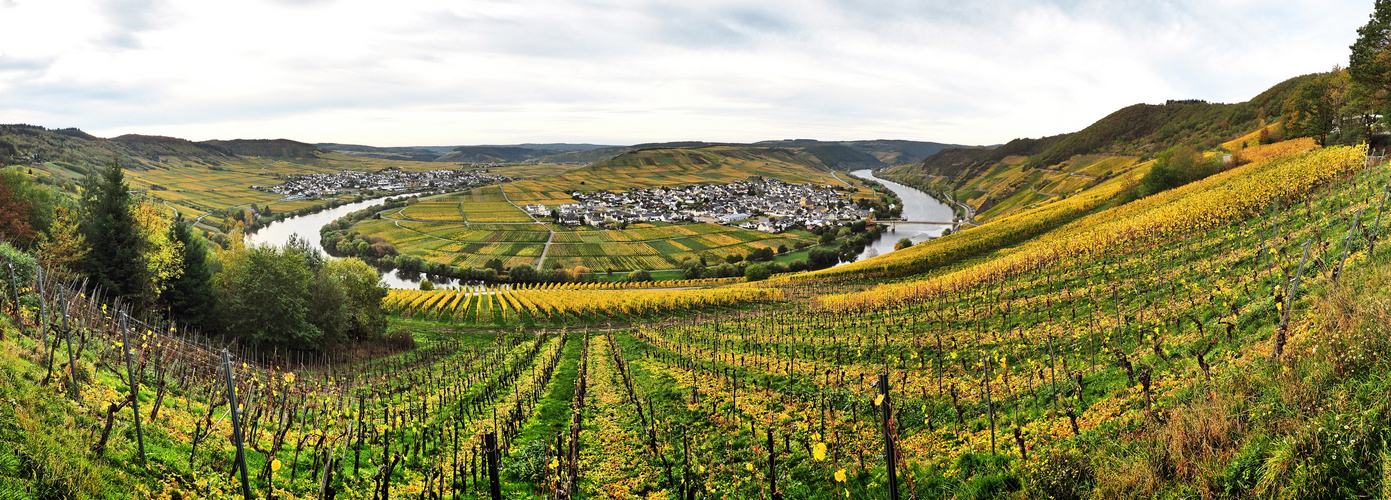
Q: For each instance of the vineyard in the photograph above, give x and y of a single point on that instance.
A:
(1182, 345)
(559, 304)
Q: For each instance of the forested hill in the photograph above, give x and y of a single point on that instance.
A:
(269, 148)
(80, 151)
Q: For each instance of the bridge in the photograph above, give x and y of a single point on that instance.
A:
(921, 222)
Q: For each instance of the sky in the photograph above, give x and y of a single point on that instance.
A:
(453, 72)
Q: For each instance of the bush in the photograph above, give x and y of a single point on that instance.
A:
(426, 285)
(757, 272)
(640, 275)
(903, 243)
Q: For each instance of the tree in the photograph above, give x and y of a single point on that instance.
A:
(522, 273)
(1370, 61)
(757, 272)
(191, 298)
(693, 270)
(14, 223)
(65, 248)
(264, 297)
(364, 290)
(827, 238)
(109, 226)
(640, 275)
(820, 258)
(494, 264)
(427, 286)
(903, 243)
(160, 253)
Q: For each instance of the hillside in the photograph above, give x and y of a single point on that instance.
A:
(666, 166)
(998, 181)
(1150, 128)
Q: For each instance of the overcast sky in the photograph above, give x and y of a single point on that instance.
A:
(436, 72)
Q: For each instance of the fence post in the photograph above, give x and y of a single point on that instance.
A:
(72, 358)
(490, 449)
(1376, 228)
(236, 422)
(886, 416)
(134, 383)
(1279, 347)
(1347, 242)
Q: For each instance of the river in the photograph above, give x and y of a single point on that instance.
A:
(307, 227)
(918, 206)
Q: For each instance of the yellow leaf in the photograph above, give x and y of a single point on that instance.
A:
(840, 476)
(275, 465)
(819, 451)
(878, 400)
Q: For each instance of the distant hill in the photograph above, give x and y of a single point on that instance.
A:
(81, 152)
(269, 148)
(672, 166)
(886, 153)
(491, 154)
(407, 154)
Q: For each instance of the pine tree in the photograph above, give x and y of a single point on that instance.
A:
(109, 226)
(191, 299)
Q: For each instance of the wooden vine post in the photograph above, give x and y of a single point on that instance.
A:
(235, 411)
(14, 291)
(134, 383)
(886, 417)
(989, 403)
(1279, 348)
(72, 358)
(490, 449)
(773, 468)
(1347, 242)
(1376, 227)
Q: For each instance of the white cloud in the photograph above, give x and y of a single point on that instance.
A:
(445, 72)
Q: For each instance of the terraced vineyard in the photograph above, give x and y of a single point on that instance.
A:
(1076, 349)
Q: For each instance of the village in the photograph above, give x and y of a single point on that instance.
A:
(391, 179)
(762, 204)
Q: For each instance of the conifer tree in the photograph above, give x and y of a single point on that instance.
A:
(191, 299)
(109, 226)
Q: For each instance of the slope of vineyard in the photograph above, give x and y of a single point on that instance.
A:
(1075, 350)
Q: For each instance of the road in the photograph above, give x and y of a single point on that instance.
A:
(544, 250)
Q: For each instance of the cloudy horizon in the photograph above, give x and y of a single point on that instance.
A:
(429, 72)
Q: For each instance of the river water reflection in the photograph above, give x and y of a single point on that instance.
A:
(917, 206)
(307, 227)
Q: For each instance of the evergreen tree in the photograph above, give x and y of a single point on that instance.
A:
(1370, 61)
(109, 226)
(191, 299)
